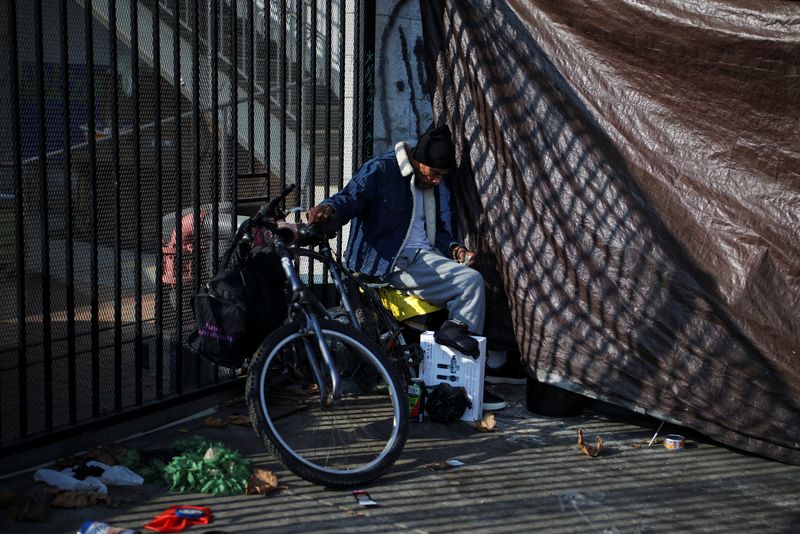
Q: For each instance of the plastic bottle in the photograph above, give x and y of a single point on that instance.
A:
(97, 527)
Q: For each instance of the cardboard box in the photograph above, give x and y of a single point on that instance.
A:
(444, 364)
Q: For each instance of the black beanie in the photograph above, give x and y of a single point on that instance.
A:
(435, 148)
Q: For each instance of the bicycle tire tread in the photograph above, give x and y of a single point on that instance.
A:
(343, 481)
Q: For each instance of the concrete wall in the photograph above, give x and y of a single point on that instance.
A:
(402, 105)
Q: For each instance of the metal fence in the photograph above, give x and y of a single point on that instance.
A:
(131, 131)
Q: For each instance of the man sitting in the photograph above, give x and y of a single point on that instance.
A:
(398, 236)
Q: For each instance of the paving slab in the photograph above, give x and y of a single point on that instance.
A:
(527, 476)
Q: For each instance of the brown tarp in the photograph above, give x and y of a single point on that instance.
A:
(636, 168)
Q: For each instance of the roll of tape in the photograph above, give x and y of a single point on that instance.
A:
(673, 441)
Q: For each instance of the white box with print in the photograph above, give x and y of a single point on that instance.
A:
(443, 364)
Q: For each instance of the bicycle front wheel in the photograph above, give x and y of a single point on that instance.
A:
(348, 443)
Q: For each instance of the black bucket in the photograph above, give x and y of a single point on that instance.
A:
(552, 401)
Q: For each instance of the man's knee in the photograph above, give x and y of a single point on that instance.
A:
(473, 280)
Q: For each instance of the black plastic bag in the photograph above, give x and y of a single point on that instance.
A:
(446, 403)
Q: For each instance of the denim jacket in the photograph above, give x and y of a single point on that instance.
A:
(379, 200)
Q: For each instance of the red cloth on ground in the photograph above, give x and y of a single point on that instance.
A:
(169, 521)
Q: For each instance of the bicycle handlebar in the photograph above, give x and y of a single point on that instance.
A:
(270, 209)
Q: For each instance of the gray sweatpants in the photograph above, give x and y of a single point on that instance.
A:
(439, 280)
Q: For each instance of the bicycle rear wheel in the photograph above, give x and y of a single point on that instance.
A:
(349, 443)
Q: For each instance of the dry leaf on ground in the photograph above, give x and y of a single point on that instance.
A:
(590, 450)
(214, 422)
(487, 424)
(261, 482)
(241, 420)
(81, 499)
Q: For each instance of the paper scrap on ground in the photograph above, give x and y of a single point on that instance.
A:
(363, 498)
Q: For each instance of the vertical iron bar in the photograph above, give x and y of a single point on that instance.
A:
(251, 85)
(115, 179)
(215, 134)
(368, 79)
(137, 196)
(20, 224)
(177, 133)
(159, 304)
(283, 95)
(328, 91)
(312, 127)
(357, 77)
(234, 100)
(91, 126)
(197, 271)
(267, 96)
(47, 348)
(215, 144)
(72, 377)
(340, 173)
(298, 123)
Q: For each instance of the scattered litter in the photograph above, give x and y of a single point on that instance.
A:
(262, 482)
(241, 420)
(116, 475)
(66, 481)
(177, 518)
(641, 444)
(656, 434)
(438, 466)
(363, 498)
(214, 422)
(487, 424)
(590, 450)
(82, 499)
(674, 441)
(97, 527)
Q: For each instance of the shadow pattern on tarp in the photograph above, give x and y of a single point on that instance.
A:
(632, 174)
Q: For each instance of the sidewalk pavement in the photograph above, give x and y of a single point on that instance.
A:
(527, 476)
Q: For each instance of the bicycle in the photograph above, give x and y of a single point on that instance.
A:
(324, 398)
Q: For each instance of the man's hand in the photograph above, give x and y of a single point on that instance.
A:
(319, 214)
(463, 255)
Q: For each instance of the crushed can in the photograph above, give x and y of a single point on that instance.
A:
(416, 399)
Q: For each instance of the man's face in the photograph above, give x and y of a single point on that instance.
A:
(426, 177)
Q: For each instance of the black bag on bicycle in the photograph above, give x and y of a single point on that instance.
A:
(238, 308)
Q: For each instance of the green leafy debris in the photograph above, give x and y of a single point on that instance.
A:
(207, 467)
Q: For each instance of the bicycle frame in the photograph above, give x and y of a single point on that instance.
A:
(301, 306)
